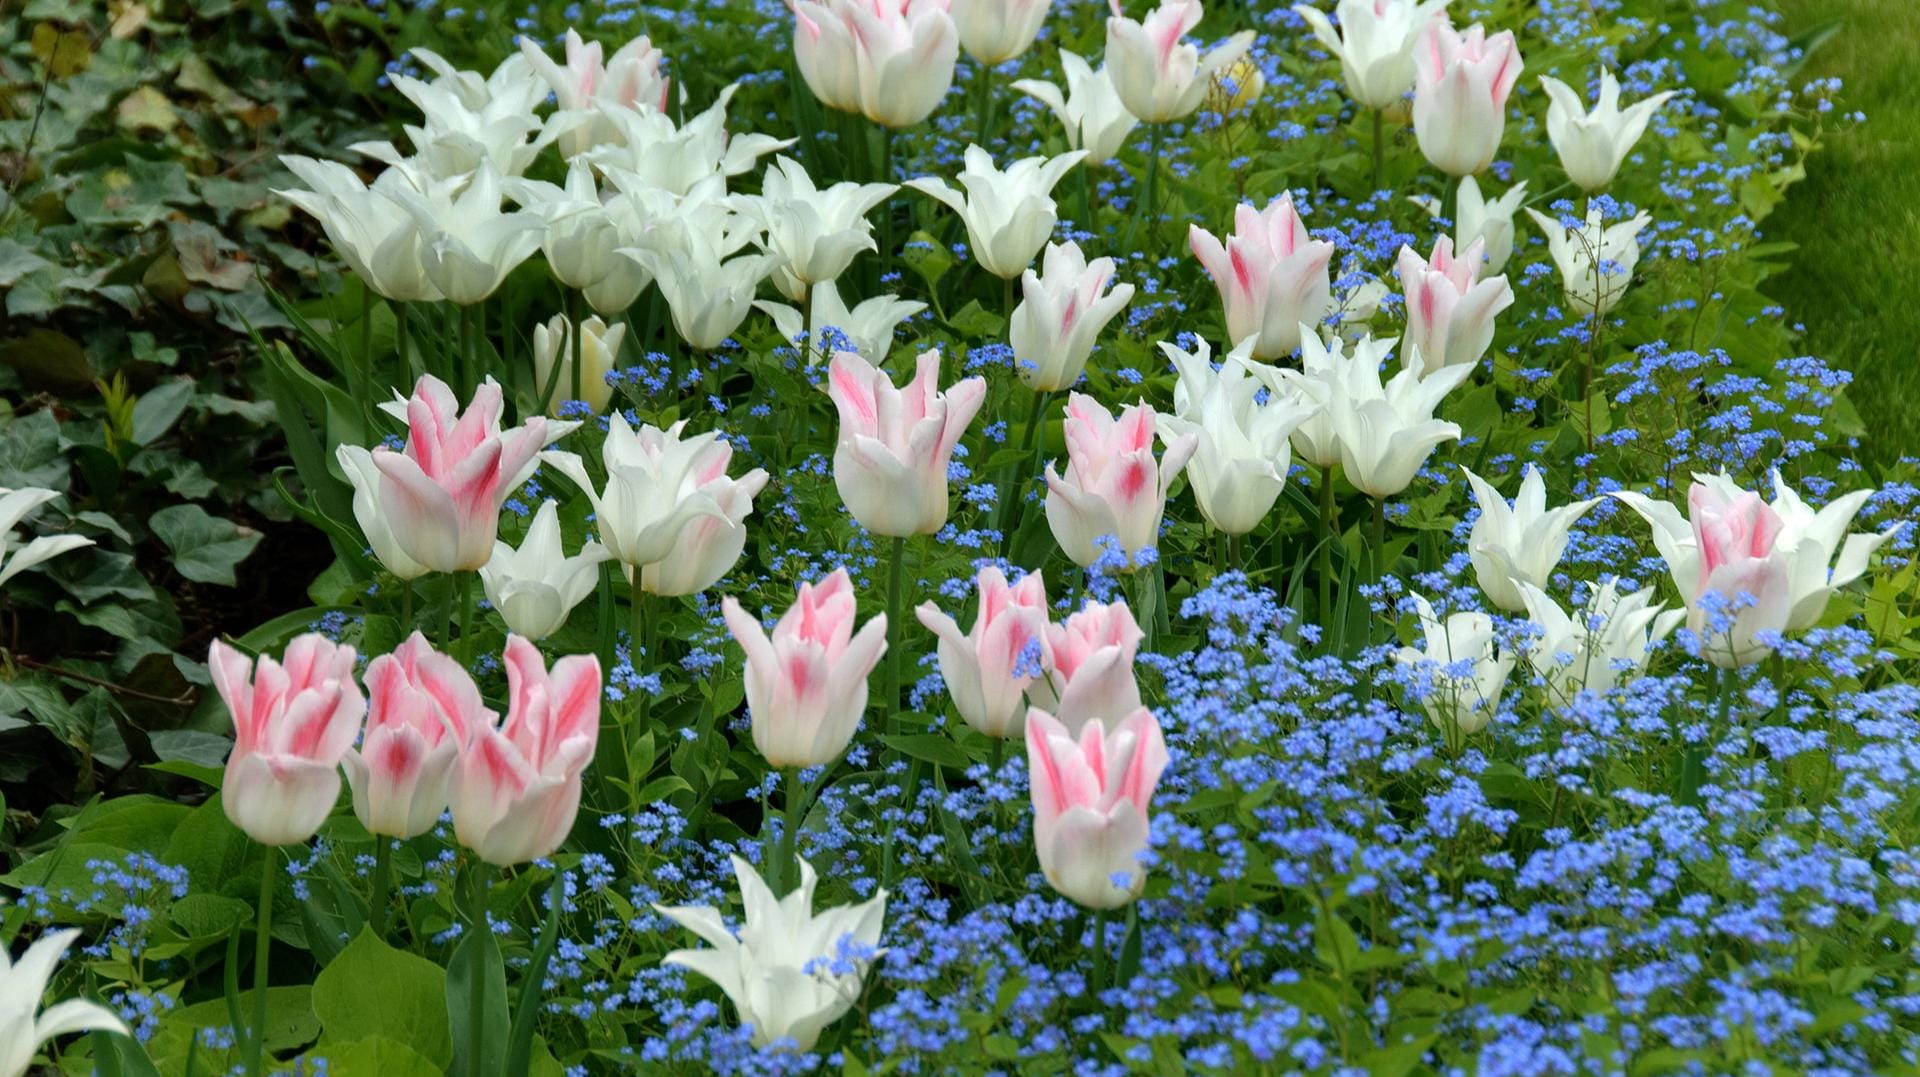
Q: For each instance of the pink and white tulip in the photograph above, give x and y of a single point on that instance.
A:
(807, 684)
(1460, 89)
(1065, 306)
(1113, 485)
(516, 788)
(889, 60)
(988, 669)
(422, 707)
(1449, 312)
(629, 79)
(1090, 667)
(1158, 76)
(1091, 804)
(1737, 535)
(293, 720)
(1272, 275)
(894, 445)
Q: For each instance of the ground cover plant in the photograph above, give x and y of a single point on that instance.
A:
(910, 536)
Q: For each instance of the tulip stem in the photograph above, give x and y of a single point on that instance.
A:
(262, 940)
(382, 885)
(1329, 530)
(1086, 197)
(1379, 537)
(1380, 150)
(642, 648)
(367, 394)
(465, 363)
(1153, 179)
(1099, 944)
(1029, 438)
(464, 593)
(406, 605)
(896, 580)
(983, 116)
(575, 341)
(1233, 553)
(790, 833)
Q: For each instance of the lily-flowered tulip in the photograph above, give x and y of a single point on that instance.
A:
(468, 246)
(995, 31)
(1158, 76)
(1322, 364)
(1745, 586)
(1090, 110)
(679, 159)
(707, 548)
(1008, 215)
(1596, 259)
(440, 497)
(987, 670)
(1374, 44)
(1113, 486)
(14, 507)
(1090, 675)
(553, 346)
(581, 236)
(422, 706)
(536, 587)
(659, 485)
(807, 684)
(867, 330)
(1450, 313)
(629, 79)
(460, 133)
(23, 1025)
(1242, 454)
(1460, 89)
(1385, 432)
(516, 788)
(705, 275)
(1606, 643)
(1061, 314)
(365, 225)
(888, 60)
(890, 462)
(1478, 220)
(815, 232)
(1090, 804)
(1592, 145)
(782, 971)
(1272, 275)
(1518, 544)
(293, 720)
(1458, 677)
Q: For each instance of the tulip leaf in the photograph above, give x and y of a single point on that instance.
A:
(929, 747)
(372, 989)
(379, 1056)
(476, 966)
(205, 547)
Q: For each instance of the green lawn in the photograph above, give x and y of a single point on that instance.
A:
(1856, 280)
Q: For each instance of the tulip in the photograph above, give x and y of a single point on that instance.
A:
(707, 548)
(357, 464)
(1607, 644)
(1158, 76)
(1743, 567)
(292, 723)
(1461, 83)
(580, 237)
(987, 670)
(890, 463)
(14, 506)
(630, 79)
(1054, 327)
(1374, 44)
(599, 346)
(1090, 804)
(460, 134)
(889, 60)
(1592, 145)
(995, 31)
(467, 245)
(815, 232)
(517, 785)
(867, 330)
(634, 216)
(1596, 260)
(1322, 365)
(422, 707)
(1089, 677)
(1385, 431)
(1008, 215)
(652, 150)
(1516, 546)
(366, 226)
(441, 496)
(708, 287)
(1271, 274)
(1091, 111)
(537, 586)
(1449, 313)
(1457, 679)
(23, 1026)
(1477, 220)
(659, 485)
(513, 78)
(782, 971)
(1241, 458)
(807, 685)
(1112, 486)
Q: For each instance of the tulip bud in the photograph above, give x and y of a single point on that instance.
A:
(1449, 314)
(1090, 675)
(423, 706)
(373, 233)
(1460, 93)
(292, 722)
(892, 63)
(1592, 145)
(987, 671)
(995, 31)
(1091, 111)
(599, 346)
(1272, 275)
(890, 465)
(1112, 486)
(1477, 220)
(1374, 44)
(807, 685)
(1459, 676)
(1054, 327)
(1008, 215)
(1158, 76)
(1090, 804)
(536, 587)
(1241, 455)
(1521, 544)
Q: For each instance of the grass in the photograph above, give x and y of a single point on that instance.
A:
(1855, 282)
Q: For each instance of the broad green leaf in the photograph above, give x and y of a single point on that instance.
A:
(205, 548)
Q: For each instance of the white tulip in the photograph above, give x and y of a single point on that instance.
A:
(1459, 671)
(1091, 110)
(1596, 260)
(1009, 214)
(14, 507)
(468, 246)
(1374, 44)
(366, 226)
(995, 31)
(535, 587)
(867, 330)
(1063, 310)
(677, 157)
(1592, 145)
(708, 287)
(1239, 467)
(1384, 431)
(818, 232)
(1322, 363)
(587, 90)
(1518, 544)
(1477, 220)
(1159, 76)
(459, 133)
(580, 234)
(1606, 643)
(23, 1025)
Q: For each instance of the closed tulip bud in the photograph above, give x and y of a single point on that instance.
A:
(1054, 327)
(807, 684)
(1091, 799)
(516, 787)
(1090, 110)
(1460, 90)
(1272, 275)
(1159, 76)
(1374, 44)
(1008, 215)
(1596, 260)
(536, 587)
(1090, 677)
(599, 347)
(995, 31)
(707, 548)
(1113, 486)
(1606, 643)
(440, 497)
(14, 507)
(1449, 313)
(987, 670)
(468, 246)
(1458, 677)
(1513, 545)
(1477, 220)
(422, 706)
(815, 232)
(1592, 145)
(1745, 587)
(293, 720)
(1241, 455)
(890, 463)
(1385, 431)
(23, 1025)
(867, 330)
(888, 60)
(368, 228)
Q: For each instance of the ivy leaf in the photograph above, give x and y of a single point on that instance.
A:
(205, 548)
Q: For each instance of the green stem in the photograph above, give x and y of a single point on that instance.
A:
(382, 885)
(1099, 945)
(1379, 537)
(1380, 151)
(1086, 197)
(1153, 179)
(465, 375)
(367, 394)
(607, 571)
(790, 832)
(477, 996)
(983, 113)
(406, 605)
(262, 941)
(1234, 558)
(1029, 438)
(465, 591)
(1329, 529)
(575, 342)
(403, 340)
(885, 253)
(896, 583)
